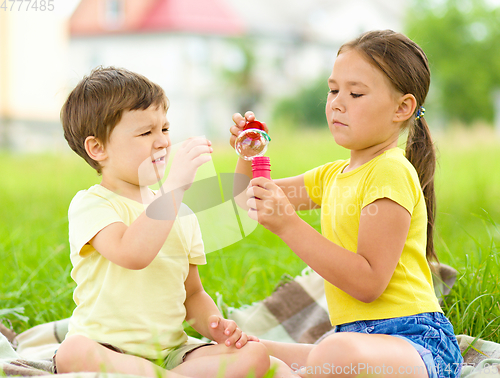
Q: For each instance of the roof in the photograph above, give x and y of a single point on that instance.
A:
(204, 16)
(93, 17)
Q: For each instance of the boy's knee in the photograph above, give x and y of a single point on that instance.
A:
(70, 351)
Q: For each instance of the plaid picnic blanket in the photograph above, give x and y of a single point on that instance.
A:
(295, 312)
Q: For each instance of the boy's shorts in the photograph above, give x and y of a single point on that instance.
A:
(173, 359)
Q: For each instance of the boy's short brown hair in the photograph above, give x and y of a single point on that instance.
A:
(96, 104)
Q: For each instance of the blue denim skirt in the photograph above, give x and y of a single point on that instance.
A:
(431, 334)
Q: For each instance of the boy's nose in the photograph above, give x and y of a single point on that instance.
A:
(161, 141)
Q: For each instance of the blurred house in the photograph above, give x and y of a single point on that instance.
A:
(216, 57)
(180, 44)
(212, 57)
(33, 61)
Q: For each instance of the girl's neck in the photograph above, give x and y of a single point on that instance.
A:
(360, 157)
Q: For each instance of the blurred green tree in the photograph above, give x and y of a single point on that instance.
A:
(462, 41)
(306, 108)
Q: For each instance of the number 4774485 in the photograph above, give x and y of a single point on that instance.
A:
(27, 5)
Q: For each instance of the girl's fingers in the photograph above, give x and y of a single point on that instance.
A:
(258, 192)
(252, 203)
(235, 130)
(238, 119)
(249, 116)
(252, 214)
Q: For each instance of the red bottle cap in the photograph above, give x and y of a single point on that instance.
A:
(261, 167)
(253, 125)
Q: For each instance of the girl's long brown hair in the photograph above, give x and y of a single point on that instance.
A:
(407, 67)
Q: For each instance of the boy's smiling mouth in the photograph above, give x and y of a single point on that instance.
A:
(159, 160)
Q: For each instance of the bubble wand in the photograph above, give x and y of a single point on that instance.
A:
(251, 145)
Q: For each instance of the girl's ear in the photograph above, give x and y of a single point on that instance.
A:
(406, 108)
(95, 149)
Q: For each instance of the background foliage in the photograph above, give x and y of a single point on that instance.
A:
(461, 39)
(36, 287)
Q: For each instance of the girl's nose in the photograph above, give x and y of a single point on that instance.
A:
(336, 103)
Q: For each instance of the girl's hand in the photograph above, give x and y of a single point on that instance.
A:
(239, 124)
(193, 153)
(269, 205)
(224, 331)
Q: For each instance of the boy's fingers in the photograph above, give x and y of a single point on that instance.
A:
(199, 150)
(213, 320)
(234, 336)
(230, 328)
(196, 141)
(252, 338)
(202, 159)
(242, 340)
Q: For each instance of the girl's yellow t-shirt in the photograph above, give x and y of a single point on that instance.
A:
(342, 196)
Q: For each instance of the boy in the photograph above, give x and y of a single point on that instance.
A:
(137, 276)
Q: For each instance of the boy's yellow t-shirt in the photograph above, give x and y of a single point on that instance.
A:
(342, 196)
(139, 311)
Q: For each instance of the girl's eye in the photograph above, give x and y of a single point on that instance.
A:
(356, 95)
(165, 130)
(333, 91)
(146, 133)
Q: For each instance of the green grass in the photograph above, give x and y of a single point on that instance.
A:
(35, 284)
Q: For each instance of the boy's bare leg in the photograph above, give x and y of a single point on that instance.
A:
(80, 354)
(219, 360)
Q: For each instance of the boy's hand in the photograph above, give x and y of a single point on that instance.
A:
(240, 122)
(224, 331)
(193, 153)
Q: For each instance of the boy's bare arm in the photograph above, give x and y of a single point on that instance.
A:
(135, 246)
(205, 317)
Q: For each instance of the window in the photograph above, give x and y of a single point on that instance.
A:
(114, 12)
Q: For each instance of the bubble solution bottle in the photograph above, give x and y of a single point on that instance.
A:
(252, 144)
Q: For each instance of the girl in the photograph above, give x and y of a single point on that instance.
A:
(377, 219)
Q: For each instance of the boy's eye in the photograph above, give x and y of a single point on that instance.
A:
(165, 129)
(146, 133)
(333, 91)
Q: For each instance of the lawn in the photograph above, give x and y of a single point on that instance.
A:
(35, 284)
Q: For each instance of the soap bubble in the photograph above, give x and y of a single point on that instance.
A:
(251, 143)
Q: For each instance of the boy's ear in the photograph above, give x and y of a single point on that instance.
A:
(406, 108)
(95, 149)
